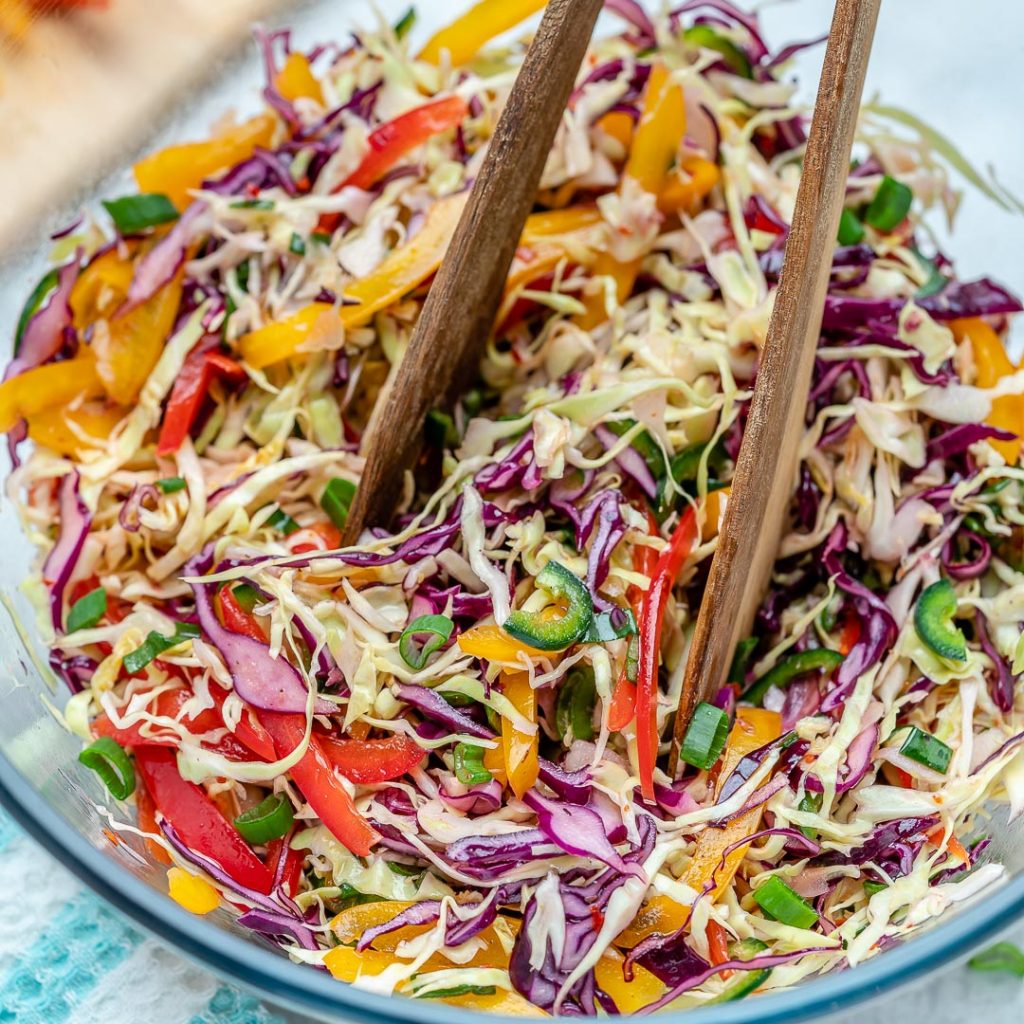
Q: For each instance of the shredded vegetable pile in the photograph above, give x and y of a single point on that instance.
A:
(437, 763)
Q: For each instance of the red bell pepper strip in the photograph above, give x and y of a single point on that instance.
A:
(289, 873)
(236, 618)
(145, 811)
(315, 777)
(371, 761)
(623, 705)
(248, 730)
(390, 142)
(189, 391)
(197, 820)
(652, 616)
(318, 537)
(167, 704)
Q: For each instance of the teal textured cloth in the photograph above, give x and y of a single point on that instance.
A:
(67, 958)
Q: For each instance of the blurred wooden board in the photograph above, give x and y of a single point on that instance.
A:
(81, 90)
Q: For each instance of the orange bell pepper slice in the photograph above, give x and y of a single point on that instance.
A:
(296, 80)
(46, 387)
(686, 193)
(992, 363)
(464, 37)
(74, 431)
(402, 270)
(520, 749)
(619, 125)
(177, 169)
(101, 288)
(754, 728)
(492, 643)
(655, 143)
(129, 348)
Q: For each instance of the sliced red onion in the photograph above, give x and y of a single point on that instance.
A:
(1010, 744)
(565, 494)
(75, 521)
(476, 800)
(729, 12)
(884, 838)
(675, 801)
(976, 566)
(68, 228)
(44, 335)
(803, 698)
(422, 913)
(434, 706)
(792, 834)
(165, 259)
(760, 796)
(260, 679)
(577, 830)
(630, 461)
(129, 516)
(602, 518)
(76, 672)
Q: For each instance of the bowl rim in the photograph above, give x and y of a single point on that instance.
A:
(300, 988)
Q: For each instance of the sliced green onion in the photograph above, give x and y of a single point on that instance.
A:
(457, 700)
(643, 443)
(469, 765)
(246, 596)
(87, 611)
(890, 205)
(132, 214)
(933, 620)
(555, 634)
(270, 819)
(926, 749)
(574, 709)
(33, 304)
(172, 484)
(155, 644)
(814, 660)
(603, 629)
(280, 520)
(350, 896)
(779, 902)
(745, 982)
(252, 204)
(936, 279)
(811, 802)
(871, 888)
(405, 23)
(1003, 956)
(297, 245)
(107, 758)
(851, 230)
(707, 38)
(437, 628)
(320, 236)
(457, 990)
(337, 500)
(706, 736)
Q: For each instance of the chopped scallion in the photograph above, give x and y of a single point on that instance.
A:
(108, 760)
(280, 520)
(337, 500)
(132, 214)
(156, 644)
(270, 819)
(778, 901)
(851, 230)
(87, 611)
(574, 709)
(297, 245)
(171, 484)
(926, 749)
(706, 736)
(469, 765)
(405, 23)
(436, 628)
(890, 206)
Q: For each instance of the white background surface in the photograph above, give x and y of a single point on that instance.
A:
(957, 64)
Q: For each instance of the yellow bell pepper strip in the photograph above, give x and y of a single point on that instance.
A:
(128, 349)
(403, 270)
(492, 643)
(101, 288)
(753, 729)
(522, 761)
(74, 431)
(629, 996)
(176, 169)
(714, 507)
(540, 226)
(46, 387)
(685, 193)
(652, 616)
(190, 891)
(655, 143)
(296, 80)
(464, 37)
(619, 125)
(992, 363)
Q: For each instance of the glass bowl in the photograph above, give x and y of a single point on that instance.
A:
(66, 808)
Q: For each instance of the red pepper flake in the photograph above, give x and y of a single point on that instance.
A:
(251, 190)
(597, 917)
